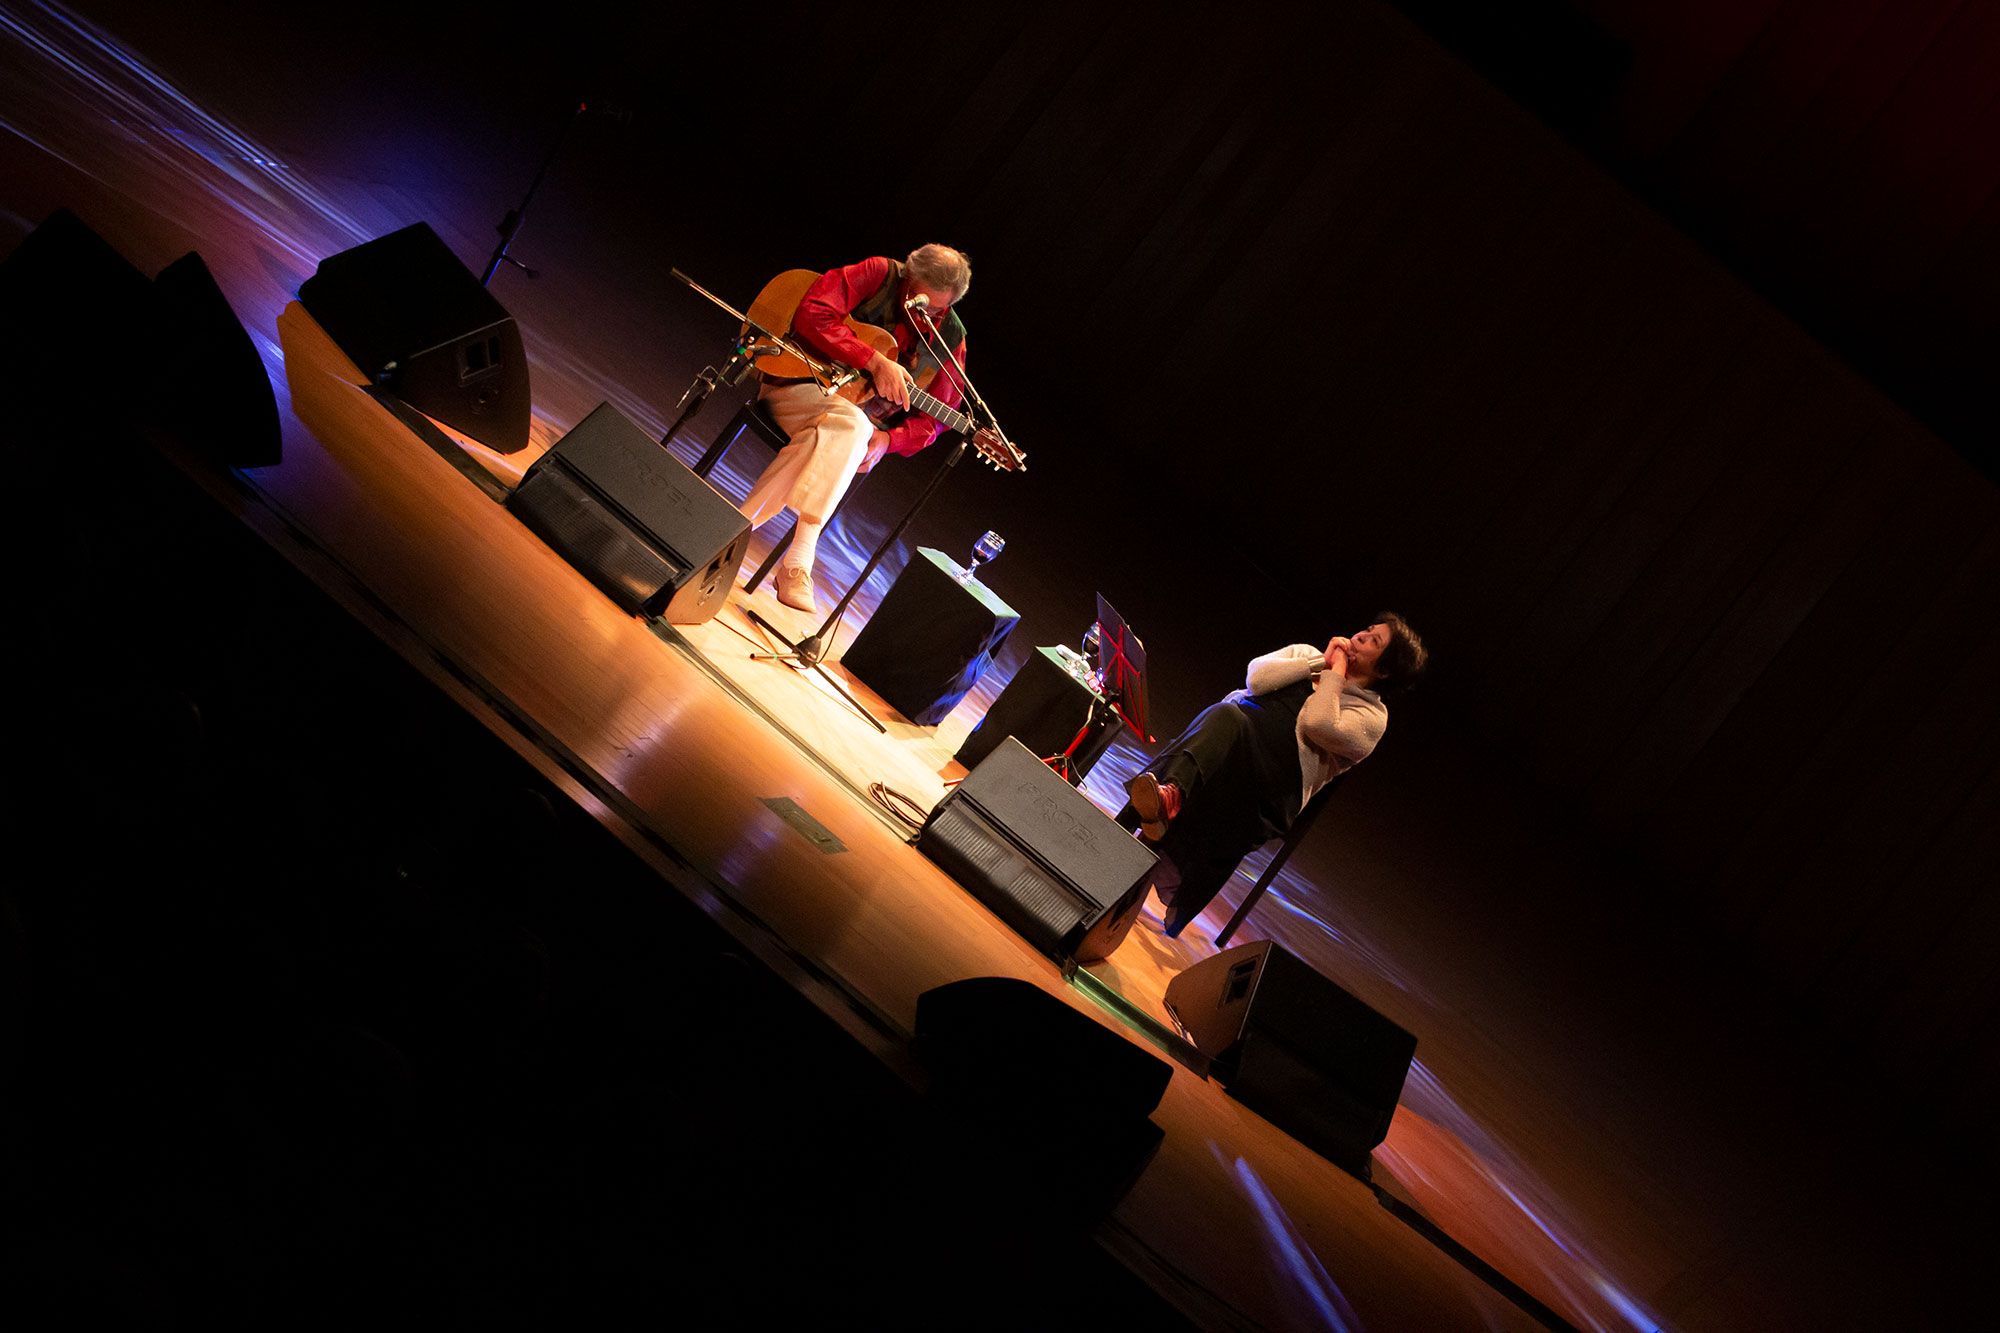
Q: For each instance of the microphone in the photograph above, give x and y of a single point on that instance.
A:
(917, 302)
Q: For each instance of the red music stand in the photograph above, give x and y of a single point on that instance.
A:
(1121, 692)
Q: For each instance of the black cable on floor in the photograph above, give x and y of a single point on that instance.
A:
(904, 808)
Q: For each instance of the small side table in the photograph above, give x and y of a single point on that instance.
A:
(1042, 707)
(931, 639)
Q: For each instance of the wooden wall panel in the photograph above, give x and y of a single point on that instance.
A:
(1936, 1023)
(1915, 550)
(1389, 340)
(1778, 476)
(1840, 154)
(1727, 145)
(1889, 958)
(1919, 747)
(1645, 520)
(1627, 381)
(1776, 665)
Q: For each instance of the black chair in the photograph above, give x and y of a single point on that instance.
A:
(1295, 835)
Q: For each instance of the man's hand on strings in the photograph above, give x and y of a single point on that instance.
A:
(891, 380)
(878, 445)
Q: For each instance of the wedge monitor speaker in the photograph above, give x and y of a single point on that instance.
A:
(222, 400)
(1040, 855)
(88, 345)
(418, 324)
(634, 519)
(78, 324)
(995, 1039)
(1295, 1047)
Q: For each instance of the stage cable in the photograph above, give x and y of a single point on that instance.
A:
(904, 808)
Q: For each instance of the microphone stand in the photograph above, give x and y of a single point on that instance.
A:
(810, 650)
(752, 342)
(509, 226)
(934, 342)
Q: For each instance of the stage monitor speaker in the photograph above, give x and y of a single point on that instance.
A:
(81, 329)
(418, 324)
(221, 401)
(1053, 1104)
(634, 519)
(1295, 1047)
(1040, 855)
(87, 342)
(998, 1038)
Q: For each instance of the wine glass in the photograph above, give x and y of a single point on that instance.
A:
(983, 550)
(1092, 638)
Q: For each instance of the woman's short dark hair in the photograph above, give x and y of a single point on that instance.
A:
(1402, 661)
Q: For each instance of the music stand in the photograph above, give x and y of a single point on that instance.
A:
(1120, 694)
(1121, 661)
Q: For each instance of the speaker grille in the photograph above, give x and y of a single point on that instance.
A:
(563, 511)
(1035, 850)
(979, 854)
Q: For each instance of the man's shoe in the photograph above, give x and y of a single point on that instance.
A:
(794, 587)
(1156, 805)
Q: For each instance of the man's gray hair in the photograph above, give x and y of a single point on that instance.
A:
(942, 267)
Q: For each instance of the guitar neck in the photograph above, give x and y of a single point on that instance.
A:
(939, 411)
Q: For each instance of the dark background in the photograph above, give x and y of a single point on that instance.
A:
(1656, 403)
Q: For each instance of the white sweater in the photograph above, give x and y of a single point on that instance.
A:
(1338, 727)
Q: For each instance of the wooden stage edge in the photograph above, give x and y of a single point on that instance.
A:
(861, 1019)
(819, 726)
(554, 762)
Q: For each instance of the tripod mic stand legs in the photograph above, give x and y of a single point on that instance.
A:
(807, 652)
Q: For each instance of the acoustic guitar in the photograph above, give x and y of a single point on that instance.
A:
(774, 308)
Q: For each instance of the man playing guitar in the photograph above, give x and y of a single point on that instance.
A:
(832, 439)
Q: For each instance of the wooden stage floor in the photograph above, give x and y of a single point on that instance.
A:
(680, 742)
(807, 711)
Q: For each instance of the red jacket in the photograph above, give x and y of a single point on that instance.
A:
(821, 317)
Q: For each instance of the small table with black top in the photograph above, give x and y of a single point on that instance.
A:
(931, 639)
(1043, 707)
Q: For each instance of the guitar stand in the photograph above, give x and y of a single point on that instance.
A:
(811, 649)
